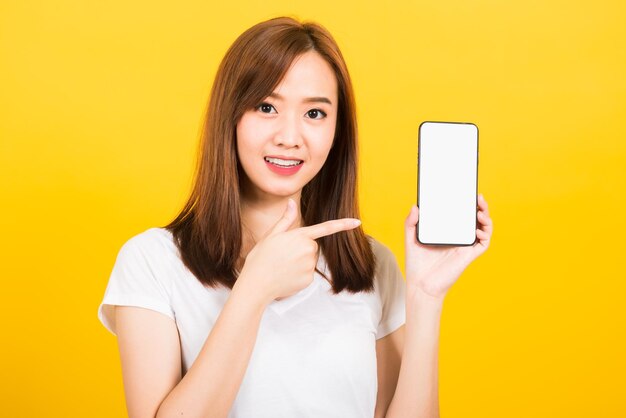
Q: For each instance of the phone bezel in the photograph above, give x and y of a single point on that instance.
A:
(419, 146)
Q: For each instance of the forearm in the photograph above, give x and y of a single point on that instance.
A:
(416, 393)
(211, 384)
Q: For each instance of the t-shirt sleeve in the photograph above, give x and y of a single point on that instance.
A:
(136, 280)
(391, 290)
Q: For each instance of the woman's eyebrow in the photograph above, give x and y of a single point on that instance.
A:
(317, 99)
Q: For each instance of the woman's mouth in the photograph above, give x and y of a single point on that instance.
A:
(283, 163)
(282, 166)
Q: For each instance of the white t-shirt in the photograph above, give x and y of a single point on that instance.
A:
(315, 352)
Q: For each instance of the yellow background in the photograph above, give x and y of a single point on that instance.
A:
(100, 107)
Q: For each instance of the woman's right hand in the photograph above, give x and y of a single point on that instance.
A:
(283, 262)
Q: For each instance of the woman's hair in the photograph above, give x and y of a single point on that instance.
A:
(208, 230)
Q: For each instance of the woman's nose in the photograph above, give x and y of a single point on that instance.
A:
(288, 132)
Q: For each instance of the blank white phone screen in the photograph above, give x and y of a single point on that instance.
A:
(448, 168)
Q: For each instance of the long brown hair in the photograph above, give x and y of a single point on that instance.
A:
(208, 230)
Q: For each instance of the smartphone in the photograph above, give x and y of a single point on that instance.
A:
(447, 186)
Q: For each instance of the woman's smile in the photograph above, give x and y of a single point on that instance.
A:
(284, 168)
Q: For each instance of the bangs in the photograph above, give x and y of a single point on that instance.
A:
(262, 62)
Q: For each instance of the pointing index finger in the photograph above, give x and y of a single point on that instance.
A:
(330, 227)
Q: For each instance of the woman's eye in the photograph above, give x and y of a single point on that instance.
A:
(314, 113)
(265, 107)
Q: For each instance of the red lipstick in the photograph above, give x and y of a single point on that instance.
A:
(283, 170)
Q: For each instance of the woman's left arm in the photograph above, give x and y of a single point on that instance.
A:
(430, 271)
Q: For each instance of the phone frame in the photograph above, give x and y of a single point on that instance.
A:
(419, 146)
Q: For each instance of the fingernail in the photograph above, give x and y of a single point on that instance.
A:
(356, 222)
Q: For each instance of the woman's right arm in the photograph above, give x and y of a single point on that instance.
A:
(151, 360)
(150, 347)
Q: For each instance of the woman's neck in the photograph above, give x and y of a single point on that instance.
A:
(258, 217)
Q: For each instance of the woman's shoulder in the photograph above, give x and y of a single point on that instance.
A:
(149, 254)
(149, 236)
(382, 252)
(153, 242)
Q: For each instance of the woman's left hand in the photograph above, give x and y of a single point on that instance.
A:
(433, 269)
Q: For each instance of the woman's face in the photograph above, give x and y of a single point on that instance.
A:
(283, 142)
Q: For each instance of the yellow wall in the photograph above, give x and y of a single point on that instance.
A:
(100, 106)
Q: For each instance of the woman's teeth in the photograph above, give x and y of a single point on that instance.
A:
(283, 163)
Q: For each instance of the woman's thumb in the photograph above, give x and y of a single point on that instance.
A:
(410, 225)
(286, 220)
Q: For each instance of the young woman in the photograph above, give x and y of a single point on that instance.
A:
(264, 297)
